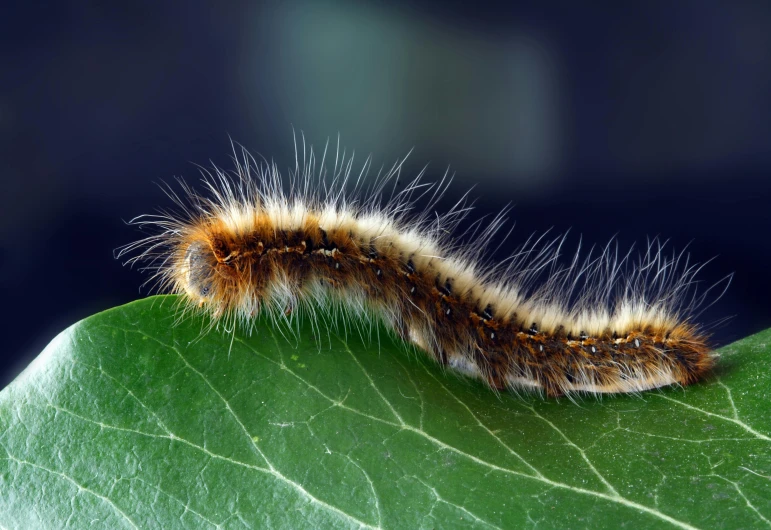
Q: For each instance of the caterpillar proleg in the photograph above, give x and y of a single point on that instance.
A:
(337, 240)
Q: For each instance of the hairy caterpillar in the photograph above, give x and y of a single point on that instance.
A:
(598, 325)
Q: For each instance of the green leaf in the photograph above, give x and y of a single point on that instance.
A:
(128, 421)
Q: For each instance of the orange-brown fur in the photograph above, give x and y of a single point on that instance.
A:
(499, 345)
(249, 245)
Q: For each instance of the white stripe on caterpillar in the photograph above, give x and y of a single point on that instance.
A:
(326, 246)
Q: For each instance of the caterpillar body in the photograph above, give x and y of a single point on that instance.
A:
(595, 325)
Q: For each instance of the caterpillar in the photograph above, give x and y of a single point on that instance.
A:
(321, 242)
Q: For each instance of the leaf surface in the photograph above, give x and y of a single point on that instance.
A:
(128, 421)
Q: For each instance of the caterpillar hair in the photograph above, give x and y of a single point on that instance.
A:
(324, 243)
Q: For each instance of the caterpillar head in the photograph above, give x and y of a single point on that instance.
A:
(198, 271)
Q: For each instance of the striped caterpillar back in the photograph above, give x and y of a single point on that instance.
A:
(601, 325)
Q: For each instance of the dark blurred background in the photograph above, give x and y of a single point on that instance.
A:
(636, 121)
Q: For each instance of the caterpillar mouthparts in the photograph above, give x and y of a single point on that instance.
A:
(598, 325)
